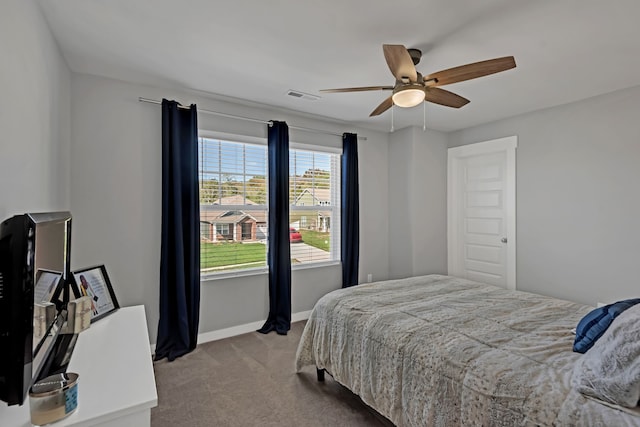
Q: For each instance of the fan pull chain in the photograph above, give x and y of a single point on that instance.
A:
(424, 117)
(392, 108)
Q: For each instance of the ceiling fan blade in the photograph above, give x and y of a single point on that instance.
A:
(356, 89)
(470, 71)
(400, 62)
(444, 97)
(386, 104)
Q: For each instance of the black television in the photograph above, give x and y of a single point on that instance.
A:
(34, 288)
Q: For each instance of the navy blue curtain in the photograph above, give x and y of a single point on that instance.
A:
(350, 213)
(180, 247)
(279, 255)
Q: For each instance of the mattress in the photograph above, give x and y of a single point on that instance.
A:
(439, 351)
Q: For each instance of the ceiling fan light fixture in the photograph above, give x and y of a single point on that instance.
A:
(409, 96)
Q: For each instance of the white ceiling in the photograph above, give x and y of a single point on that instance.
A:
(256, 50)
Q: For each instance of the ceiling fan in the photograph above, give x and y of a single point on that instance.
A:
(411, 88)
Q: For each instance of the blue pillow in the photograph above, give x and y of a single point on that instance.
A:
(594, 324)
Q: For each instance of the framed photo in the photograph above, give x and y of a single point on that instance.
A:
(94, 283)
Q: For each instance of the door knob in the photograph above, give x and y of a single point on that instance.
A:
(503, 240)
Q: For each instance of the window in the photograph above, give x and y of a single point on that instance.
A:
(223, 230)
(233, 200)
(234, 210)
(314, 191)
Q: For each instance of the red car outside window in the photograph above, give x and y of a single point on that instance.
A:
(294, 236)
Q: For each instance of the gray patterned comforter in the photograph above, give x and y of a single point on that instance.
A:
(442, 351)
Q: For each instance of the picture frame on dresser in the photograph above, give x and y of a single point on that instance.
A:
(94, 282)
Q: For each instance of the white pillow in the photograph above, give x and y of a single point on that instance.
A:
(610, 370)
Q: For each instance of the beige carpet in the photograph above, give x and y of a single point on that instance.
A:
(249, 380)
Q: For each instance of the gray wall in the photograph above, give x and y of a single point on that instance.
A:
(116, 198)
(34, 116)
(400, 227)
(429, 223)
(578, 203)
(417, 202)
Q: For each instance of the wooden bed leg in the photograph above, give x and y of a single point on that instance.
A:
(320, 374)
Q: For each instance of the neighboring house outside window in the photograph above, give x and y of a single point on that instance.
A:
(234, 211)
(316, 197)
(234, 225)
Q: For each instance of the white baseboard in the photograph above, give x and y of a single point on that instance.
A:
(244, 329)
(239, 330)
(303, 315)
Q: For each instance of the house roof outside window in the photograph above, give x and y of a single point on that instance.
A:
(314, 197)
(233, 216)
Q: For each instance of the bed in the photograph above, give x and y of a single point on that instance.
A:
(438, 350)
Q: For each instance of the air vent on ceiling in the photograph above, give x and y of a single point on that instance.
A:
(302, 95)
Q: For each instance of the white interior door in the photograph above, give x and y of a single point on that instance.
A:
(481, 212)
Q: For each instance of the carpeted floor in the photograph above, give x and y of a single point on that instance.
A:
(249, 380)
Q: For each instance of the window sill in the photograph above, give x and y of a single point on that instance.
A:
(263, 271)
(212, 277)
(314, 265)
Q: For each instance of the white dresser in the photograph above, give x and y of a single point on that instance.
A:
(116, 386)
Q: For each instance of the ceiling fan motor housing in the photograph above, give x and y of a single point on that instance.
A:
(416, 55)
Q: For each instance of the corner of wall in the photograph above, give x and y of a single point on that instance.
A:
(34, 72)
